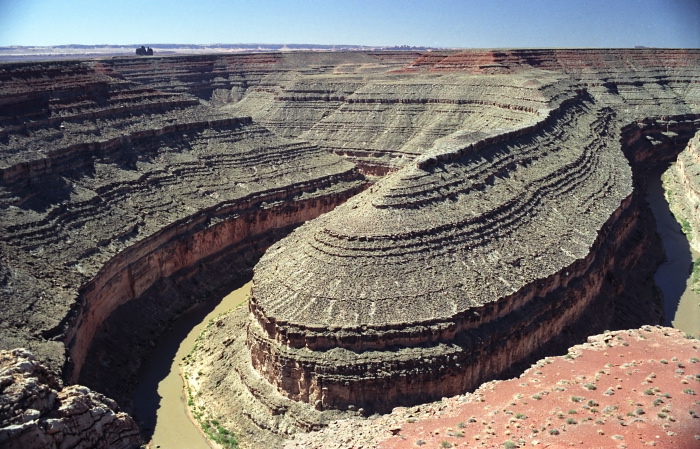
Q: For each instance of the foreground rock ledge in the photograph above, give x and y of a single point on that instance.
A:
(636, 388)
(36, 413)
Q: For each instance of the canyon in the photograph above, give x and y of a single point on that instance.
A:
(449, 216)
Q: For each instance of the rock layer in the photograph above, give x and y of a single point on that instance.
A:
(683, 184)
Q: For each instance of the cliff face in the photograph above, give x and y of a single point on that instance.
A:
(499, 241)
(682, 183)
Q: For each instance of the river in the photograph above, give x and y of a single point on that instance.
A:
(681, 304)
(160, 405)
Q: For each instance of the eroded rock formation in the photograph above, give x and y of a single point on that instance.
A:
(36, 413)
(507, 218)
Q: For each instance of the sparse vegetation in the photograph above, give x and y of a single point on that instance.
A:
(219, 434)
(553, 431)
(576, 399)
(571, 421)
(589, 386)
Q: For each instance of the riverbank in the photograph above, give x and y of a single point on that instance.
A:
(682, 251)
(160, 401)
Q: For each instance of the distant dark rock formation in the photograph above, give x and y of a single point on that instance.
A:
(143, 51)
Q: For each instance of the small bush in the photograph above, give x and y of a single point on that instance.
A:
(445, 444)
(521, 416)
(510, 444)
(688, 391)
(664, 361)
(649, 392)
(553, 432)
(576, 399)
(461, 425)
(571, 421)
(589, 386)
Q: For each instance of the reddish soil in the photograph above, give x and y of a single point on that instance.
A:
(629, 389)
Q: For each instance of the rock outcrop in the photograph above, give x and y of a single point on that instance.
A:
(35, 412)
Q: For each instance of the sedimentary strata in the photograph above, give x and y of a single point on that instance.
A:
(35, 412)
(506, 220)
(451, 270)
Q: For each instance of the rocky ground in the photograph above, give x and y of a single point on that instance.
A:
(37, 413)
(622, 389)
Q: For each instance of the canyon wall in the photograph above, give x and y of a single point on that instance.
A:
(682, 184)
(132, 189)
(494, 294)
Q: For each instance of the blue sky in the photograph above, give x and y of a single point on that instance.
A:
(438, 23)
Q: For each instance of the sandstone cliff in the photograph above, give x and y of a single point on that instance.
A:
(682, 182)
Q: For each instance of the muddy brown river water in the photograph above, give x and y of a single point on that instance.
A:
(161, 405)
(681, 304)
